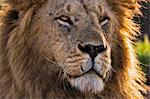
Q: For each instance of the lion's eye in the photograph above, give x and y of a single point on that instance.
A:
(104, 20)
(64, 20)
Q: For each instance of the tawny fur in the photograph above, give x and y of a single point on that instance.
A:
(24, 73)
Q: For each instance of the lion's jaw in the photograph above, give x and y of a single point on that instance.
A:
(89, 82)
(87, 75)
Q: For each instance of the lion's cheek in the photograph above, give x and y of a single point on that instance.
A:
(58, 51)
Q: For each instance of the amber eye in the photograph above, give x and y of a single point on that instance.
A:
(104, 20)
(64, 20)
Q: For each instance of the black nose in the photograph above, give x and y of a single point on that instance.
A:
(92, 50)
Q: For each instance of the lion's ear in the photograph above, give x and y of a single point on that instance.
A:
(25, 4)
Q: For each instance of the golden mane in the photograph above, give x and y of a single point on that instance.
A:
(127, 83)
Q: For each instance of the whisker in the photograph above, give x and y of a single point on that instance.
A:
(53, 61)
(60, 73)
(64, 83)
(54, 67)
(113, 69)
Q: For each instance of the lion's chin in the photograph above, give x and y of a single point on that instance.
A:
(89, 82)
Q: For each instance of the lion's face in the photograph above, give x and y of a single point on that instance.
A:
(77, 36)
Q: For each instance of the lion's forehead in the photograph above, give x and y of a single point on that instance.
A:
(79, 5)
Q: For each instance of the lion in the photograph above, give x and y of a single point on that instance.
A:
(69, 49)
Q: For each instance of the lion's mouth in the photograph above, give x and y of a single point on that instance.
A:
(91, 71)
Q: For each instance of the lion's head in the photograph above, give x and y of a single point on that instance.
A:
(76, 36)
(83, 46)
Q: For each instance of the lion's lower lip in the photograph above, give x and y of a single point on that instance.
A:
(91, 71)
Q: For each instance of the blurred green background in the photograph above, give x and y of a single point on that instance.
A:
(142, 48)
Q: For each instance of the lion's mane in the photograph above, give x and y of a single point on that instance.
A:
(21, 70)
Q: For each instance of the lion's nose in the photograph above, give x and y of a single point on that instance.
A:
(92, 50)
